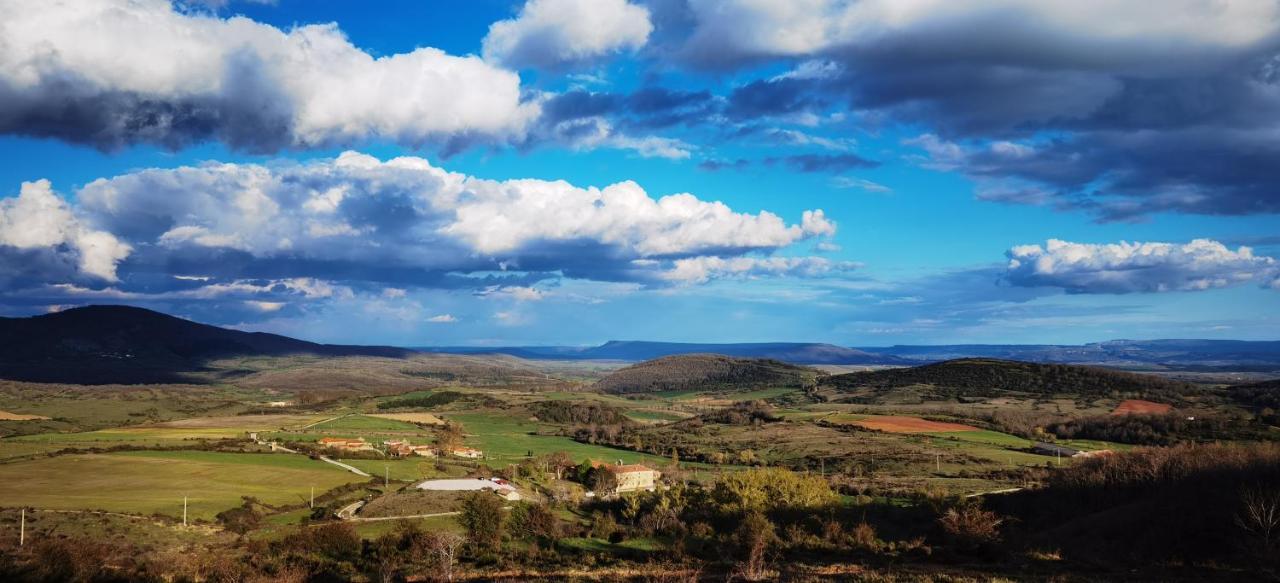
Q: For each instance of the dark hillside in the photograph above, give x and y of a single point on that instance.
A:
(1264, 395)
(127, 345)
(979, 377)
(705, 371)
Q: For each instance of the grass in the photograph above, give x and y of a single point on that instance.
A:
(405, 470)
(987, 437)
(132, 434)
(364, 423)
(760, 394)
(152, 482)
(632, 546)
(651, 415)
(375, 529)
(503, 437)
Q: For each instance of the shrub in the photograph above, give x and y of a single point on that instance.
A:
(970, 525)
(485, 520)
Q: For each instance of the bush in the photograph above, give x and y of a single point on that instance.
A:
(970, 525)
(485, 520)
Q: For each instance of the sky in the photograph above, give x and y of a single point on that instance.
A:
(486, 172)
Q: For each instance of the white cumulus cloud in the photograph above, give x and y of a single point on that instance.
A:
(1138, 267)
(557, 33)
(404, 222)
(39, 221)
(115, 72)
(706, 268)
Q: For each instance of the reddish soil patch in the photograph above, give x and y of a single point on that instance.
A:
(1140, 407)
(911, 425)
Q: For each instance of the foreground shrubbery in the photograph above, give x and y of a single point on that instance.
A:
(1165, 429)
(1208, 505)
(1214, 502)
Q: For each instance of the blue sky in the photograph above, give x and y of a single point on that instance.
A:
(488, 172)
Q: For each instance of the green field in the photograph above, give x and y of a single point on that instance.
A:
(148, 482)
(760, 394)
(139, 434)
(364, 423)
(651, 415)
(987, 437)
(404, 470)
(503, 437)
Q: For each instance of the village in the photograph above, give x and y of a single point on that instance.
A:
(615, 479)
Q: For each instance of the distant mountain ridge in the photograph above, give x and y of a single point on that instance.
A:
(123, 344)
(1171, 352)
(1174, 354)
(638, 350)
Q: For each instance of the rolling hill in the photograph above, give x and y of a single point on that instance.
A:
(121, 344)
(981, 377)
(705, 371)
(637, 350)
(1189, 354)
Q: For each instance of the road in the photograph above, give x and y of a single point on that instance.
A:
(410, 516)
(1004, 491)
(352, 469)
(349, 511)
(325, 421)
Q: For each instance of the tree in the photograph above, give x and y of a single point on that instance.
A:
(755, 536)
(770, 489)
(535, 522)
(449, 437)
(1260, 513)
(602, 480)
(484, 519)
(442, 551)
(386, 559)
(559, 462)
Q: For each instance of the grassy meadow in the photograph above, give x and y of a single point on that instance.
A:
(153, 482)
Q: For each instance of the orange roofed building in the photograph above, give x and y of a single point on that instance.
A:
(343, 443)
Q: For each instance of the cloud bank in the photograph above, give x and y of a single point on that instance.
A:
(1120, 268)
(313, 229)
(111, 73)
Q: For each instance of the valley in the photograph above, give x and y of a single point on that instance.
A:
(270, 447)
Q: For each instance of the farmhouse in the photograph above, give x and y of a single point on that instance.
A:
(349, 444)
(468, 452)
(402, 448)
(631, 477)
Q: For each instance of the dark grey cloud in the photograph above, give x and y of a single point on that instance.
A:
(774, 98)
(718, 165)
(1125, 112)
(831, 163)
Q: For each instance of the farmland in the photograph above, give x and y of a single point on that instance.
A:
(893, 448)
(155, 482)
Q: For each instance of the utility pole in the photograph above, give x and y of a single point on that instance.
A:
(184, 510)
(313, 498)
(937, 462)
(386, 476)
(22, 530)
